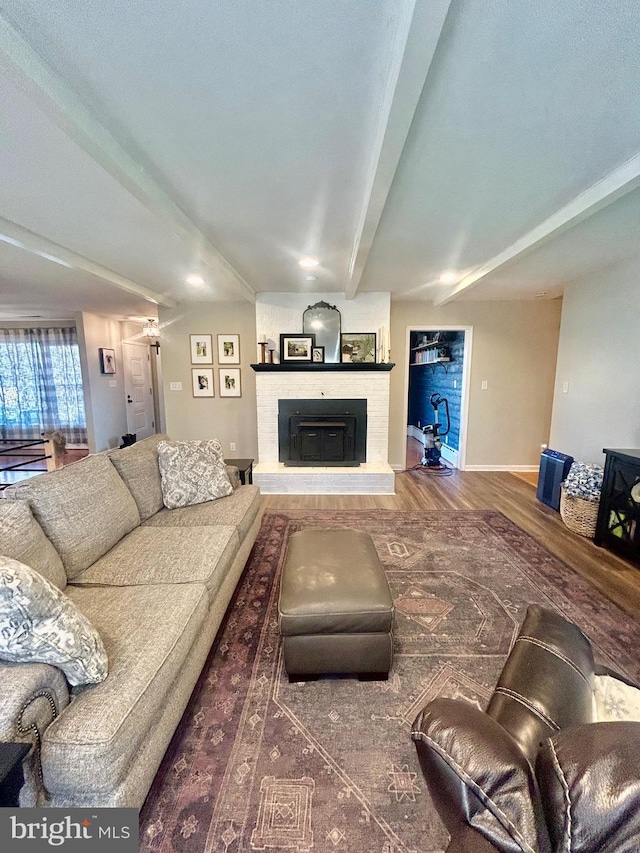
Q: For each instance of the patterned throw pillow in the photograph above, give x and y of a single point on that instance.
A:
(40, 624)
(192, 472)
(584, 481)
(615, 700)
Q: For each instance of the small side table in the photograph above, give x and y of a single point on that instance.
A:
(11, 777)
(245, 469)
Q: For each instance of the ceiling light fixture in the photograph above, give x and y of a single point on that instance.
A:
(151, 330)
(308, 263)
(311, 278)
(448, 278)
(194, 279)
(541, 294)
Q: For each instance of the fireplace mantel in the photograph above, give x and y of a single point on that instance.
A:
(297, 366)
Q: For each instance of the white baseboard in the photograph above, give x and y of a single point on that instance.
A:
(519, 468)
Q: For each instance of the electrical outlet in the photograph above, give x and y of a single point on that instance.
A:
(232, 446)
(543, 446)
(418, 424)
(565, 387)
(455, 384)
(484, 385)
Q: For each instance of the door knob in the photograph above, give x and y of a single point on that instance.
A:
(129, 400)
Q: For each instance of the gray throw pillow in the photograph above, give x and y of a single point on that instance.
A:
(192, 472)
(40, 624)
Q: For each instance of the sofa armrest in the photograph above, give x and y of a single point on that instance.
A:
(477, 775)
(32, 695)
(467, 840)
(590, 787)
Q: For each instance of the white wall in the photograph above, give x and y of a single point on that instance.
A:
(599, 358)
(103, 394)
(278, 313)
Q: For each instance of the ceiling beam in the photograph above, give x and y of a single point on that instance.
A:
(63, 106)
(416, 39)
(609, 189)
(36, 244)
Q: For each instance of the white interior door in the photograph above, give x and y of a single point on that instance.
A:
(138, 390)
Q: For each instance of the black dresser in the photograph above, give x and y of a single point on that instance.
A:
(618, 526)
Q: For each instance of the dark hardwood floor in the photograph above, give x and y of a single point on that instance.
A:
(511, 495)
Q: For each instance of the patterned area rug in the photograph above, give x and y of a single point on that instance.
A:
(328, 765)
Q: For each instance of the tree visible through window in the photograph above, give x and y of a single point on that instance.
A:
(41, 384)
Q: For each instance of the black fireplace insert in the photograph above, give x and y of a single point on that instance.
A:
(322, 432)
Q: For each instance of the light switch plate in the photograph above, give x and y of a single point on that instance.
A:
(175, 386)
(113, 383)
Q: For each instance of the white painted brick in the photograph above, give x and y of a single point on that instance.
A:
(278, 313)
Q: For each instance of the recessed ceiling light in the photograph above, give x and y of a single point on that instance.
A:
(308, 263)
(311, 278)
(195, 279)
(541, 294)
(448, 278)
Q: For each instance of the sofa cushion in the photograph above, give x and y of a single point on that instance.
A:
(138, 467)
(239, 509)
(40, 624)
(84, 509)
(477, 775)
(22, 538)
(590, 787)
(148, 632)
(151, 555)
(192, 472)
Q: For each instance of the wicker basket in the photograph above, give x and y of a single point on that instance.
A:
(578, 514)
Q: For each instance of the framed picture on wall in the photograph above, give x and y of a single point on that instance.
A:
(229, 380)
(202, 382)
(107, 360)
(229, 349)
(317, 355)
(201, 351)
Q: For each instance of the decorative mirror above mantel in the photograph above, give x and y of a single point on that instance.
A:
(323, 321)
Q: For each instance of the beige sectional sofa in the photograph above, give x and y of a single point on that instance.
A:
(155, 583)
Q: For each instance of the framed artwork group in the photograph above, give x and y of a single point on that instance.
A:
(229, 379)
(355, 348)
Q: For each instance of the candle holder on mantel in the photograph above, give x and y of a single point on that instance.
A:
(271, 351)
(263, 346)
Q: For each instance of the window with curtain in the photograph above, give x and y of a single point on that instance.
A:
(41, 384)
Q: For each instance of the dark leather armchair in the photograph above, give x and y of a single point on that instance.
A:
(535, 773)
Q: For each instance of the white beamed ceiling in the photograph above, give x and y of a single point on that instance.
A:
(391, 139)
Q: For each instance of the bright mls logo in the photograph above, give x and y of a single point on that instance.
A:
(35, 830)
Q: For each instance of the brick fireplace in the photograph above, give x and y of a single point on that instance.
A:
(334, 383)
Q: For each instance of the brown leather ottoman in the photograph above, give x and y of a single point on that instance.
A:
(335, 609)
